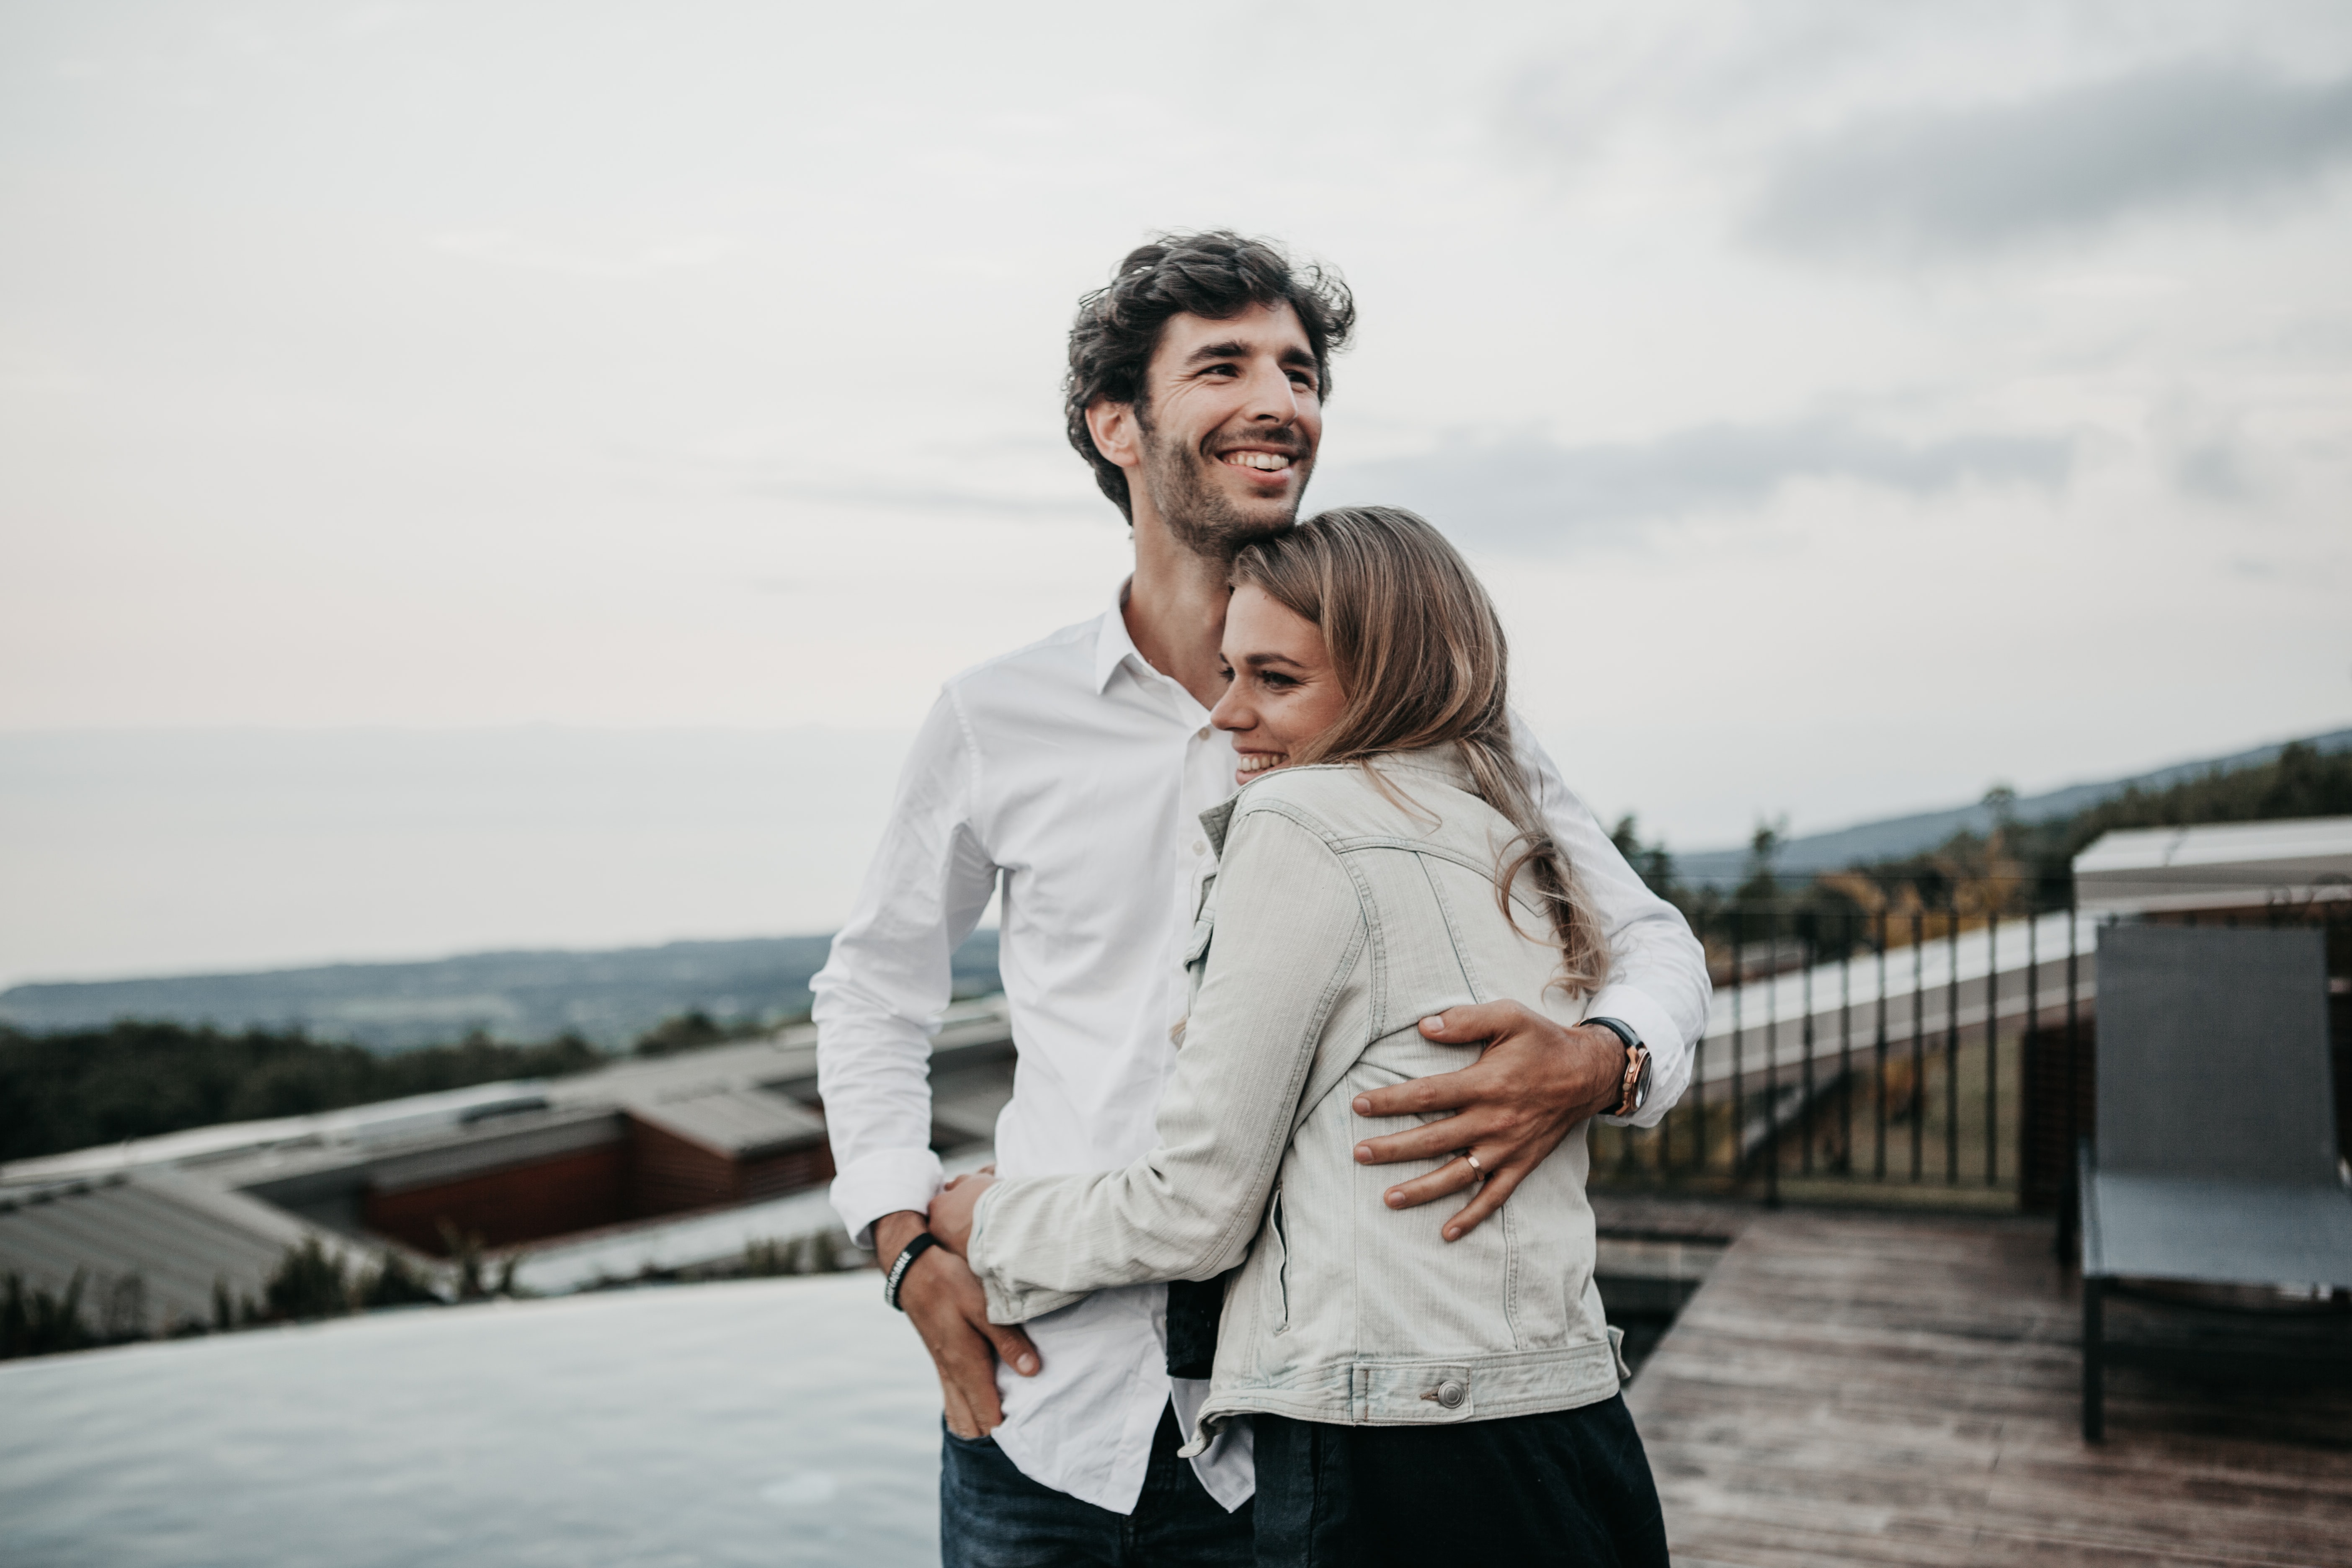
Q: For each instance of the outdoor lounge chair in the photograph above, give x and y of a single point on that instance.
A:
(2216, 1158)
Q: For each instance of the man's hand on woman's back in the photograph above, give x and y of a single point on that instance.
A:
(950, 1309)
(1512, 1107)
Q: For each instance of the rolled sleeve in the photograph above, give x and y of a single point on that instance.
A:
(1657, 969)
(887, 980)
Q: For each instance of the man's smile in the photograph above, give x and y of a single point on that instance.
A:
(1271, 462)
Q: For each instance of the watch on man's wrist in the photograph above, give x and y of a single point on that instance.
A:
(1635, 1088)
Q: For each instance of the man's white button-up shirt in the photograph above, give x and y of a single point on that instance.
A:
(1073, 773)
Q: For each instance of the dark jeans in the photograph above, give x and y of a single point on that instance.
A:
(992, 1516)
(1565, 1487)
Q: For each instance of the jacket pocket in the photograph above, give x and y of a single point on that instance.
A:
(1278, 1275)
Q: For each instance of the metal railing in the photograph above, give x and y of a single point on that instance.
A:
(1937, 1051)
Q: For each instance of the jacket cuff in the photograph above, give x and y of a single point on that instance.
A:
(884, 1183)
(1007, 1303)
(1001, 1306)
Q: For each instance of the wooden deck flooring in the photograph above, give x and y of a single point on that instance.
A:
(1897, 1389)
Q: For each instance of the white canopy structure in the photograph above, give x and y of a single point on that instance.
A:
(2223, 866)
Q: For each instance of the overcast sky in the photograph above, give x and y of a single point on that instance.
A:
(1852, 405)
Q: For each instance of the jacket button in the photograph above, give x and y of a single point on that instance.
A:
(1451, 1394)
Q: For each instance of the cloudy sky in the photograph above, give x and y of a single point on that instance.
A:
(1852, 405)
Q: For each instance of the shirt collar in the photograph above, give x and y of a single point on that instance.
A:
(1113, 647)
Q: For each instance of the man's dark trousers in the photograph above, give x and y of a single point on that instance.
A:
(992, 1516)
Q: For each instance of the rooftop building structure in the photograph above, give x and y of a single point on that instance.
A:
(612, 1159)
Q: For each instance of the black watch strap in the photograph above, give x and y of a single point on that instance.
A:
(924, 1241)
(1637, 1059)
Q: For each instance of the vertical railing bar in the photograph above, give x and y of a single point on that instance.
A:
(1952, 1042)
(2030, 1050)
(1878, 1166)
(1699, 1082)
(1772, 1065)
(1807, 1085)
(1739, 1032)
(1845, 1037)
(2069, 1196)
(1918, 1039)
(1993, 1044)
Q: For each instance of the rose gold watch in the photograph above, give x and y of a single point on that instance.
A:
(1635, 1088)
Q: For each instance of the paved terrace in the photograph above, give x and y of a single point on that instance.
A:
(1901, 1389)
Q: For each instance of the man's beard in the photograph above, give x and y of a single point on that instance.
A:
(1202, 516)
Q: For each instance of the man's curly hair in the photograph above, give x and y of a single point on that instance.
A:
(1218, 274)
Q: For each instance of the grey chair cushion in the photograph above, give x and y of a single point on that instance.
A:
(2223, 1232)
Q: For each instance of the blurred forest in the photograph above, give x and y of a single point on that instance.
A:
(2014, 868)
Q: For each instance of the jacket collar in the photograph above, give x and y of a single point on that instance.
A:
(1216, 819)
(1441, 763)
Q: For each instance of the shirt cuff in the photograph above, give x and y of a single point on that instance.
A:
(884, 1183)
(1652, 1022)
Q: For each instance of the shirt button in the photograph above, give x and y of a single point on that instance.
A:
(1200, 847)
(1201, 734)
(1451, 1394)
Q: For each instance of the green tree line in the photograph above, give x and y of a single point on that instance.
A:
(137, 1080)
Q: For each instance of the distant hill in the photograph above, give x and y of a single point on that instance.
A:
(608, 999)
(1900, 836)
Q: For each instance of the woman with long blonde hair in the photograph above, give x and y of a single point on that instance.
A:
(1413, 1397)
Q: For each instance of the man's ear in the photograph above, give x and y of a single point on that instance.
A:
(1117, 434)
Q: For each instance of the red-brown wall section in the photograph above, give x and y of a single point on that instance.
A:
(650, 1172)
(578, 1191)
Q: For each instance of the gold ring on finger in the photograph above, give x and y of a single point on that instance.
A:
(1474, 1164)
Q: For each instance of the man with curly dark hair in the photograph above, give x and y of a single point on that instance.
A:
(1067, 778)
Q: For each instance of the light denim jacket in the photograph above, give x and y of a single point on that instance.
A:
(1342, 914)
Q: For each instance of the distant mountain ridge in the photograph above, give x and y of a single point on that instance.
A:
(1899, 836)
(609, 998)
